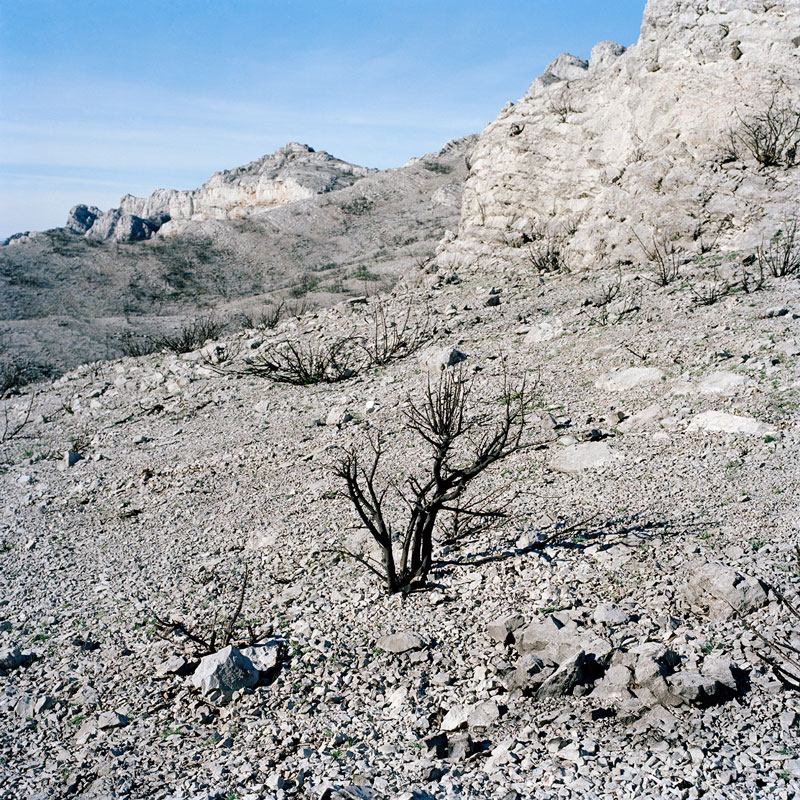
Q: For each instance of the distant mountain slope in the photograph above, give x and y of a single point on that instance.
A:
(292, 223)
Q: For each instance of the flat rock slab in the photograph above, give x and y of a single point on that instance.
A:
(641, 419)
(455, 718)
(722, 422)
(480, 715)
(725, 384)
(111, 719)
(579, 457)
(629, 379)
(399, 642)
(483, 715)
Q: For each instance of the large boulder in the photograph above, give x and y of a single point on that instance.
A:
(568, 675)
(554, 641)
(10, 658)
(221, 674)
(720, 592)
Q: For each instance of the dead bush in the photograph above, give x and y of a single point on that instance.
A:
(462, 444)
(771, 136)
(16, 372)
(781, 255)
(213, 634)
(784, 655)
(752, 281)
(711, 291)
(662, 257)
(306, 364)
(14, 423)
(561, 105)
(547, 250)
(266, 319)
(192, 335)
(136, 345)
(393, 339)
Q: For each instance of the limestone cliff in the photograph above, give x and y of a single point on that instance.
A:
(294, 172)
(637, 143)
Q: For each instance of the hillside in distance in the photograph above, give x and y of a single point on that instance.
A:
(294, 224)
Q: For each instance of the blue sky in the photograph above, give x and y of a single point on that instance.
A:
(106, 97)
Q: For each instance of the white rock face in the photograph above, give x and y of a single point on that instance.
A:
(722, 422)
(632, 143)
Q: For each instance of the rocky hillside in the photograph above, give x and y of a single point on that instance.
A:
(650, 143)
(191, 605)
(293, 224)
(604, 642)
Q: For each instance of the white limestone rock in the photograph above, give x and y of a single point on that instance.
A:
(629, 379)
(629, 143)
(720, 592)
(221, 674)
(723, 422)
(544, 331)
(580, 457)
(402, 642)
(265, 656)
(294, 172)
(439, 358)
(722, 383)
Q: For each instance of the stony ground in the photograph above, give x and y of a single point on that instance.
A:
(615, 663)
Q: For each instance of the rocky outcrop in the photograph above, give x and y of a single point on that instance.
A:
(292, 173)
(636, 143)
(118, 226)
(81, 218)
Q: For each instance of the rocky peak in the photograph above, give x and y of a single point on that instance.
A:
(564, 68)
(293, 172)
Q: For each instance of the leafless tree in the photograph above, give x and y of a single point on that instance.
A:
(462, 445)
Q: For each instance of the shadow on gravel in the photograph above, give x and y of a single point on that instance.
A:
(630, 530)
